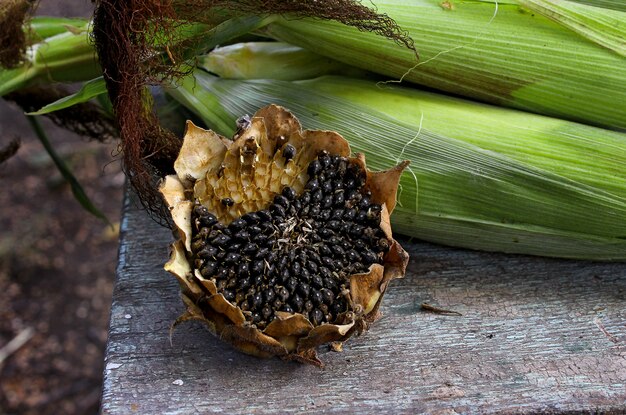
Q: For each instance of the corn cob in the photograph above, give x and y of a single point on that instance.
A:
(482, 125)
(500, 53)
(513, 185)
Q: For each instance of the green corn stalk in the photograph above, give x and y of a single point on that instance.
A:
(498, 52)
(511, 184)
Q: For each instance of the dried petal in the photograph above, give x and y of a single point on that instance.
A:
(202, 151)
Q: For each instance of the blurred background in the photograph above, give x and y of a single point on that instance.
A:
(57, 263)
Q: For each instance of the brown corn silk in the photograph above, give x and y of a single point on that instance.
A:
(13, 14)
(251, 170)
(125, 32)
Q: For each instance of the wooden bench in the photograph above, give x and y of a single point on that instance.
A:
(535, 335)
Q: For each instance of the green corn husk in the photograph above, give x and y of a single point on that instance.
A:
(511, 56)
(41, 27)
(482, 125)
(66, 56)
(69, 56)
(596, 24)
(607, 4)
(275, 60)
(520, 183)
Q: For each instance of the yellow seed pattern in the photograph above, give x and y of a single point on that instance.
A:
(250, 180)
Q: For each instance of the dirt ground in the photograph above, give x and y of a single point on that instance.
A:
(57, 264)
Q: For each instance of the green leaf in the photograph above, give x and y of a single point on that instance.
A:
(90, 89)
(77, 189)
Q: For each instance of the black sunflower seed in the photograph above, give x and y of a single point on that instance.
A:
(314, 168)
(316, 297)
(281, 200)
(232, 258)
(221, 240)
(257, 267)
(317, 281)
(229, 294)
(327, 187)
(297, 303)
(207, 252)
(283, 294)
(277, 210)
(208, 269)
(312, 185)
(269, 295)
(266, 312)
(308, 305)
(289, 193)
(327, 296)
(339, 198)
(264, 215)
(289, 152)
(237, 225)
(296, 255)
(369, 257)
(316, 317)
(243, 268)
(251, 218)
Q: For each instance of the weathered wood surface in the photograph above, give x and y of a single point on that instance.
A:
(535, 335)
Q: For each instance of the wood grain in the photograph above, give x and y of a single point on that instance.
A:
(535, 335)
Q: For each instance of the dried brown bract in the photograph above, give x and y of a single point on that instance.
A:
(284, 239)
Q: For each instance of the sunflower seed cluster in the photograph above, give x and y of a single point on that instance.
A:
(297, 255)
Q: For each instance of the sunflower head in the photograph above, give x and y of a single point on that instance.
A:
(284, 241)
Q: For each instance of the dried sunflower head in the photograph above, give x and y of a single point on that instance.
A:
(284, 239)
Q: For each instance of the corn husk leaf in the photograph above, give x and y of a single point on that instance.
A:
(607, 4)
(470, 194)
(48, 26)
(482, 125)
(500, 53)
(605, 28)
(275, 60)
(69, 56)
(206, 37)
(66, 57)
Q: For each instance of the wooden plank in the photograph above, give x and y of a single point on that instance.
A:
(535, 335)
